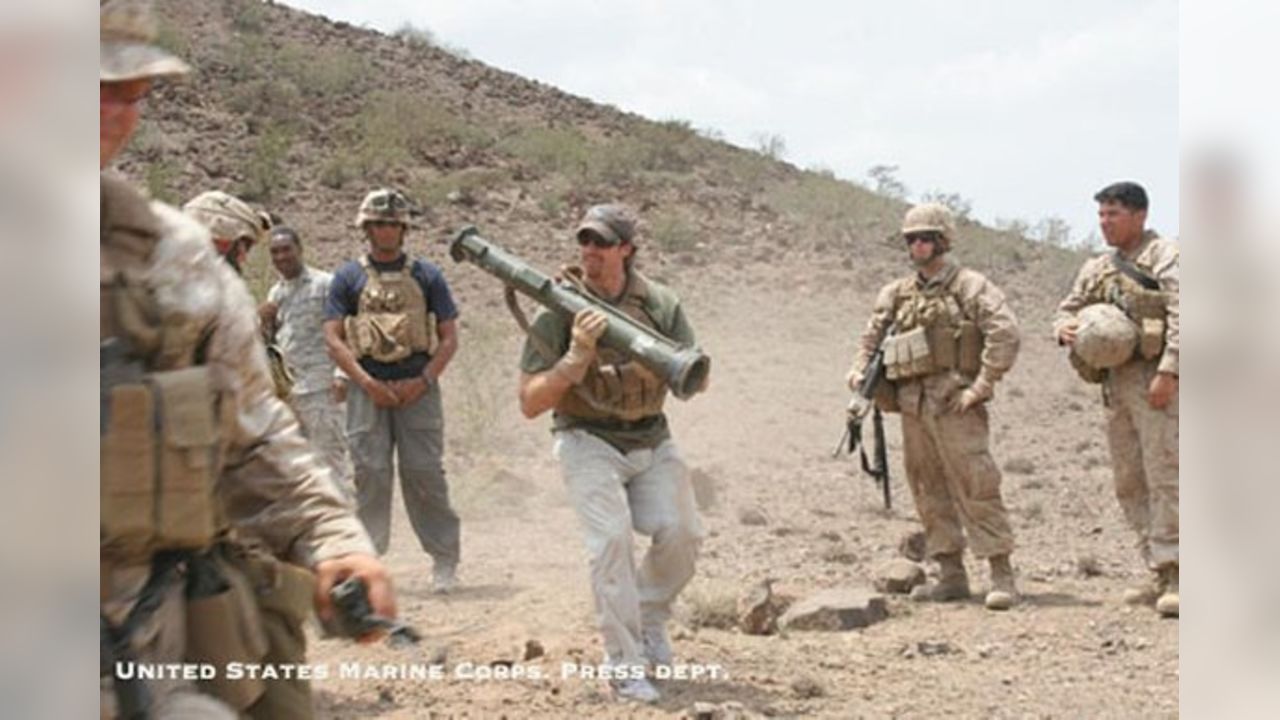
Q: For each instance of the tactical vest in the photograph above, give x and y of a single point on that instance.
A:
(391, 321)
(160, 417)
(1146, 307)
(616, 387)
(933, 333)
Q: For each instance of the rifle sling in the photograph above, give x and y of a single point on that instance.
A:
(1132, 272)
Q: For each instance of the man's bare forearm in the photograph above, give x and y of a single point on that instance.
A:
(341, 354)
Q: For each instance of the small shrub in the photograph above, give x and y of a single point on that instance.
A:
(396, 129)
(160, 176)
(559, 151)
(265, 175)
(673, 232)
(249, 16)
(470, 182)
(710, 605)
(336, 171)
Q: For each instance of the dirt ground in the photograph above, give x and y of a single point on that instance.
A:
(761, 438)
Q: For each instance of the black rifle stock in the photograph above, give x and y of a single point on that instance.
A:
(862, 403)
(684, 369)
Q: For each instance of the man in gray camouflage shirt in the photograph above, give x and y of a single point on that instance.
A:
(294, 316)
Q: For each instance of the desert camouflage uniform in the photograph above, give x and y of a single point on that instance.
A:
(300, 334)
(1143, 440)
(953, 479)
(271, 486)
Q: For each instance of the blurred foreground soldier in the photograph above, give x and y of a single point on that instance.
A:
(196, 454)
(620, 466)
(1130, 345)
(949, 337)
(235, 226)
(391, 326)
(293, 316)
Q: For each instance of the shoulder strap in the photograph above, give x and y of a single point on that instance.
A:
(1132, 272)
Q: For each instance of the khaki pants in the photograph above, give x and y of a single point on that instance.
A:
(614, 493)
(954, 481)
(1144, 458)
(415, 435)
(322, 422)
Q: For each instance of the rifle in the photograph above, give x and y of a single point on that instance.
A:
(685, 369)
(856, 413)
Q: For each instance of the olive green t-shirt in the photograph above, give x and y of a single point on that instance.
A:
(554, 330)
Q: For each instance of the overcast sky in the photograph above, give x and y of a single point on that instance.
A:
(1023, 108)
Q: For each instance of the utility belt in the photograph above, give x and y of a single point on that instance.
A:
(231, 594)
(925, 350)
(648, 422)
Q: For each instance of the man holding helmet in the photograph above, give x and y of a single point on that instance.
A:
(948, 336)
(1131, 348)
(391, 327)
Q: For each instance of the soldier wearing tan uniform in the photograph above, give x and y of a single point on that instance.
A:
(949, 337)
(1140, 392)
(205, 479)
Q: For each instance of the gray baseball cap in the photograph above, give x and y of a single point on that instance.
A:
(614, 223)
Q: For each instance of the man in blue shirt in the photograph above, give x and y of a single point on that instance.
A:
(391, 325)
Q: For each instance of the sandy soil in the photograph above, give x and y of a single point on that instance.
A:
(761, 437)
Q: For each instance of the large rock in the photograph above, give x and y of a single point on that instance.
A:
(836, 609)
(899, 576)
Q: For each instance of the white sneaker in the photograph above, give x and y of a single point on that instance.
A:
(637, 689)
(657, 646)
(444, 578)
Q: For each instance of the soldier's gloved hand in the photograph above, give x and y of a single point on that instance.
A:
(588, 325)
(382, 597)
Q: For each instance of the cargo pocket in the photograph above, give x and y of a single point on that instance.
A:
(1151, 339)
(127, 480)
(224, 625)
(187, 456)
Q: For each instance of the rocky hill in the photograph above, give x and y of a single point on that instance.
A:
(303, 115)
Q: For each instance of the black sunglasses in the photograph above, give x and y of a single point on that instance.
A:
(586, 237)
(929, 237)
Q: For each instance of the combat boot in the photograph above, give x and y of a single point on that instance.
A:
(1167, 604)
(953, 581)
(1146, 593)
(1004, 592)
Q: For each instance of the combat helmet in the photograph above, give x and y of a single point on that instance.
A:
(1105, 337)
(931, 217)
(228, 217)
(126, 43)
(385, 205)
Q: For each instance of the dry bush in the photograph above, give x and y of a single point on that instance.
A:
(710, 604)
